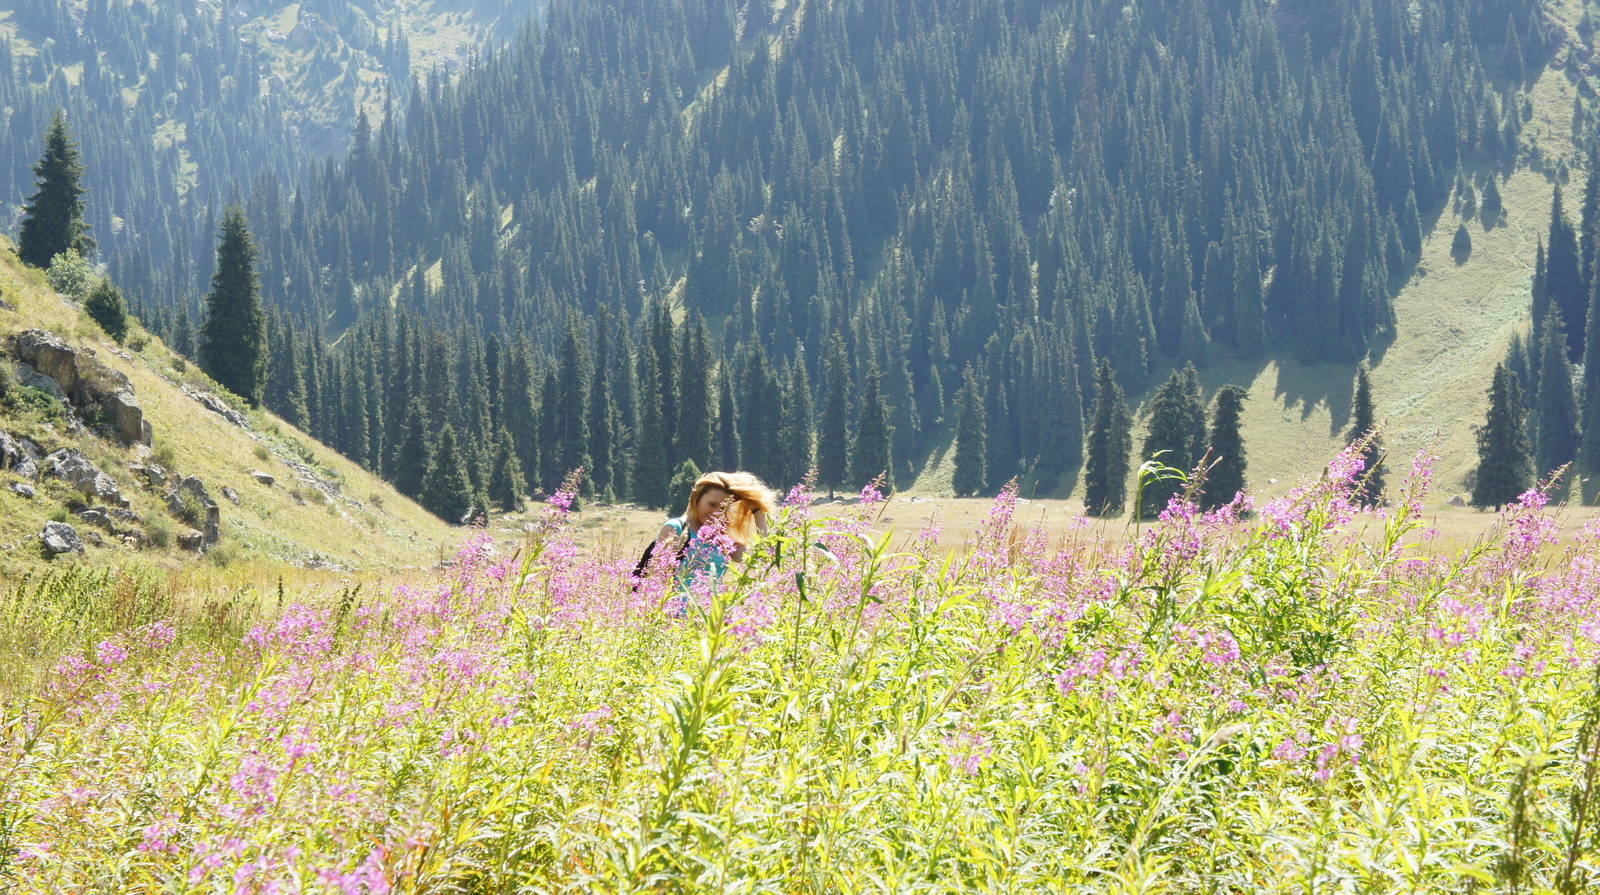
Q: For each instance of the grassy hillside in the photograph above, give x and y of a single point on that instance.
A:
(321, 511)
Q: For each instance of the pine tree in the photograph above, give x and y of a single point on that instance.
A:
(569, 425)
(53, 217)
(233, 340)
(414, 455)
(446, 490)
(872, 455)
(1505, 469)
(681, 488)
(1363, 423)
(1228, 459)
(971, 438)
(1105, 473)
(1557, 442)
(1173, 439)
(833, 437)
(1249, 314)
(106, 307)
(506, 484)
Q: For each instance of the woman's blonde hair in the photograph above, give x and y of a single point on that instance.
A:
(749, 495)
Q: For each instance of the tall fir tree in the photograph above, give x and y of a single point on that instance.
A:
(1563, 279)
(727, 421)
(697, 416)
(233, 339)
(569, 423)
(601, 414)
(872, 455)
(1228, 459)
(446, 490)
(798, 430)
(650, 471)
(1363, 424)
(506, 484)
(53, 217)
(1105, 474)
(1505, 466)
(1590, 455)
(833, 436)
(414, 454)
(286, 387)
(1176, 437)
(1557, 442)
(972, 438)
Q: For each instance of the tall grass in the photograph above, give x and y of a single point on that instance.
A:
(1307, 700)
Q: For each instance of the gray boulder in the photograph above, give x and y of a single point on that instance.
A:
(127, 417)
(19, 456)
(265, 478)
(1457, 501)
(32, 378)
(193, 491)
(192, 541)
(232, 495)
(50, 355)
(76, 470)
(23, 488)
(59, 538)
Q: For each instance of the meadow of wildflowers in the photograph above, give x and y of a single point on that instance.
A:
(1304, 696)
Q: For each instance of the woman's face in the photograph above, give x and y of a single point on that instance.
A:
(709, 501)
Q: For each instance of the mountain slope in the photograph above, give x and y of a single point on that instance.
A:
(319, 510)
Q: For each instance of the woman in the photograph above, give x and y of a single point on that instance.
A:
(746, 502)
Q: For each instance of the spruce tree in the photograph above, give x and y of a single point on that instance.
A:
(798, 429)
(872, 455)
(1174, 439)
(972, 461)
(233, 339)
(1105, 473)
(697, 416)
(286, 387)
(569, 425)
(1363, 422)
(446, 490)
(53, 217)
(833, 436)
(1557, 442)
(506, 484)
(414, 454)
(681, 488)
(727, 421)
(601, 414)
(1591, 383)
(650, 472)
(1249, 314)
(1563, 274)
(1505, 469)
(1228, 461)
(106, 307)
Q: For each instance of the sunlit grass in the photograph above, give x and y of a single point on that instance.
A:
(1310, 700)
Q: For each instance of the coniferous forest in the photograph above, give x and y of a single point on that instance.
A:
(652, 234)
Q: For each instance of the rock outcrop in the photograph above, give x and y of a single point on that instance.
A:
(192, 502)
(59, 538)
(78, 471)
(19, 456)
(75, 376)
(218, 406)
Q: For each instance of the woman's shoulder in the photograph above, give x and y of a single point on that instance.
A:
(676, 525)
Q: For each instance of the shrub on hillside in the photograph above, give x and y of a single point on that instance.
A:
(106, 307)
(71, 275)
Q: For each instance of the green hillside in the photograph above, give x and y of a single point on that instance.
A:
(311, 508)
